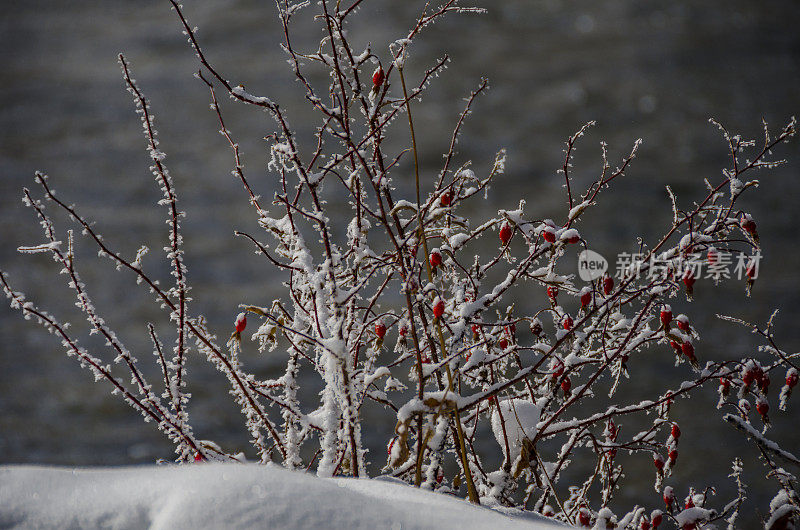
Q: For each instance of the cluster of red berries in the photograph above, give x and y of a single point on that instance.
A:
(684, 348)
(670, 500)
(672, 456)
(652, 522)
(752, 372)
(672, 443)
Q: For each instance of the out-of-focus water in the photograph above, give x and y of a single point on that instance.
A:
(650, 70)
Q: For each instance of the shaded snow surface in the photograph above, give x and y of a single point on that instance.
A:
(228, 496)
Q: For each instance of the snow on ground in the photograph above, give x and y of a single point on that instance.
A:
(228, 496)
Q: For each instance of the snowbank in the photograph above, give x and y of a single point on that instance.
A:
(227, 496)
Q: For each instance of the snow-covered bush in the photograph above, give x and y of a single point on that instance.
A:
(400, 309)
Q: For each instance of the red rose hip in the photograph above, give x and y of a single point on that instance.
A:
(656, 518)
(438, 308)
(666, 315)
(505, 233)
(608, 284)
(378, 77)
(586, 297)
(584, 518)
(435, 259)
(241, 322)
(566, 385)
(669, 497)
(748, 225)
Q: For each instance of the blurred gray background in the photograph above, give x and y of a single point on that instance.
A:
(642, 69)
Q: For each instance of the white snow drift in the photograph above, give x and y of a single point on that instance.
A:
(228, 496)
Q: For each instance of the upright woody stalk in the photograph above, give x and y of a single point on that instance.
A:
(459, 432)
